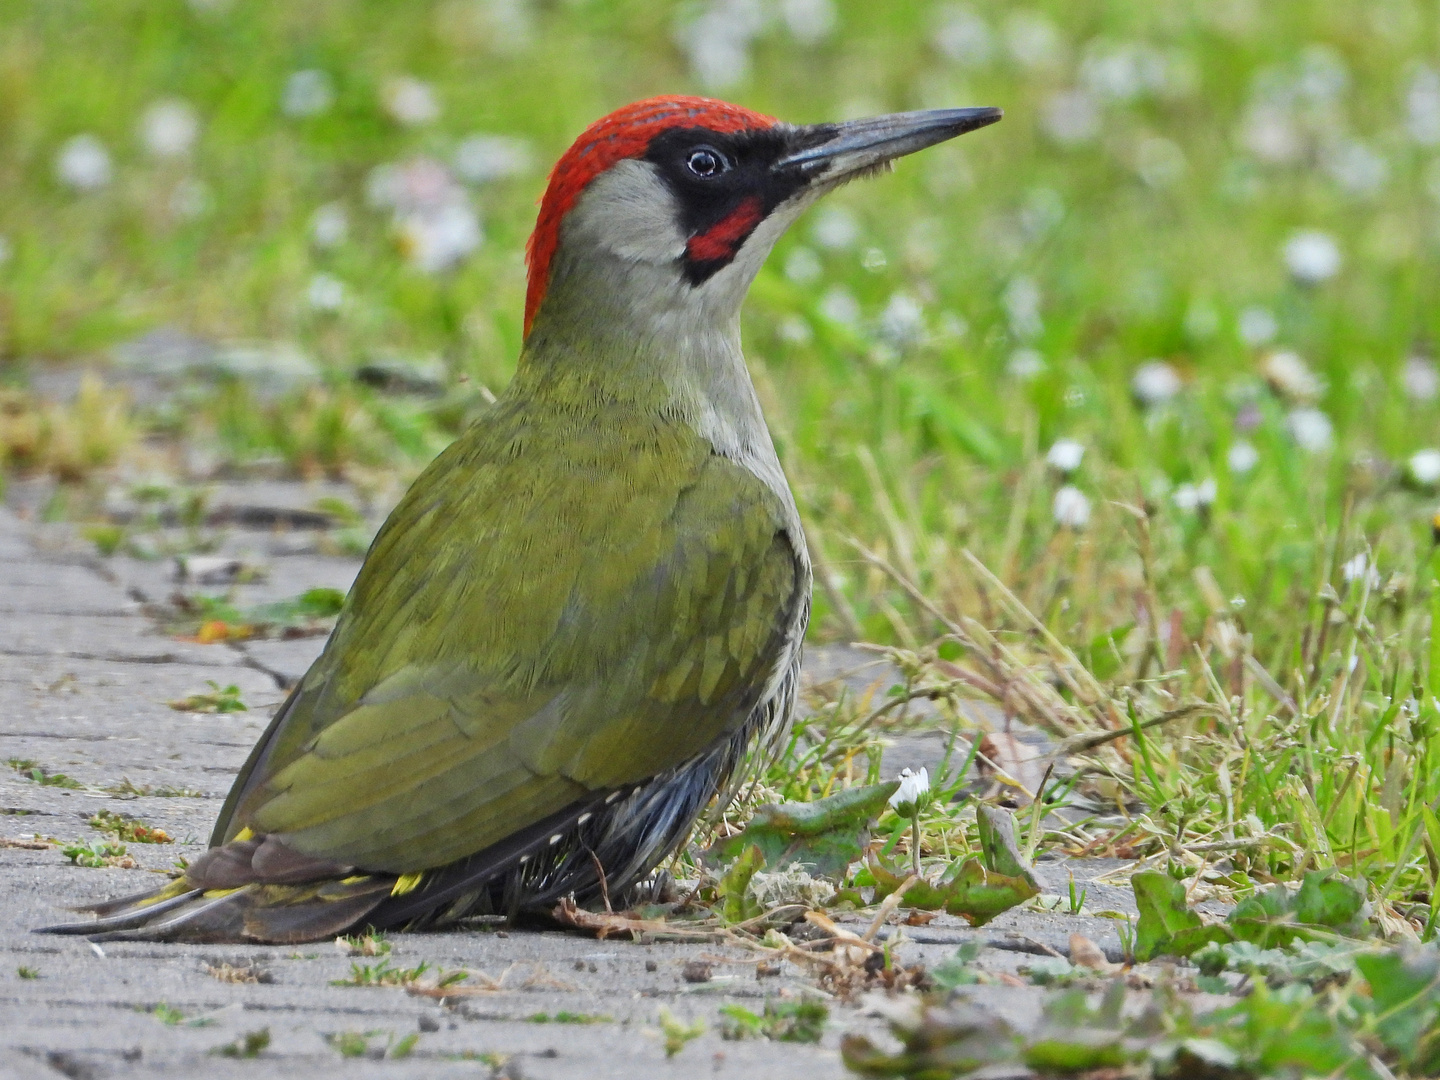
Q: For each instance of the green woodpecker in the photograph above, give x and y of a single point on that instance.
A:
(590, 607)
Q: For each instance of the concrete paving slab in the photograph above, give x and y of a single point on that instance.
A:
(84, 682)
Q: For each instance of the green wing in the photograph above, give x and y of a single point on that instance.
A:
(556, 608)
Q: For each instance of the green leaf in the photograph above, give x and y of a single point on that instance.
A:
(999, 849)
(1405, 989)
(738, 906)
(824, 836)
(966, 889)
(1167, 925)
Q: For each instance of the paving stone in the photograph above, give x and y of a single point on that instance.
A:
(84, 682)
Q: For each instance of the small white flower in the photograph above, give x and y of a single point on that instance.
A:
(417, 185)
(1242, 457)
(325, 293)
(440, 239)
(1270, 134)
(1154, 383)
(1159, 162)
(83, 163)
(836, 228)
(913, 791)
(329, 226)
(809, 21)
(1032, 39)
(1311, 429)
(483, 158)
(307, 93)
(840, 306)
(716, 40)
(1071, 117)
(1291, 377)
(1422, 106)
(1421, 379)
(1065, 455)
(795, 330)
(1425, 467)
(169, 128)
(1257, 326)
(1192, 497)
(1022, 304)
(1025, 364)
(963, 36)
(902, 323)
(1312, 256)
(1071, 508)
(410, 101)
(1357, 168)
(802, 266)
(1359, 569)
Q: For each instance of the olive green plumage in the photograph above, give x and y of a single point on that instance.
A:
(572, 598)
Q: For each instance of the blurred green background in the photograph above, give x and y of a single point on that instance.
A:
(1199, 254)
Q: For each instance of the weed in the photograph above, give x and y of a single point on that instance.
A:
(217, 699)
(373, 944)
(128, 829)
(33, 770)
(249, 1045)
(385, 974)
(27, 972)
(675, 1033)
(784, 1021)
(98, 853)
(569, 1018)
(173, 1017)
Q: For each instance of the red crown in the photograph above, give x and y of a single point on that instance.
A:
(625, 133)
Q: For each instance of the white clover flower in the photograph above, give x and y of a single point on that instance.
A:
(410, 101)
(325, 293)
(840, 306)
(169, 128)
(913, 792)
(963, 36)
(802, 266)
(809, 21)
(1311, 429)
(1257, 326)
(416, 185)
(836, 228)
(483, 158)
(1422, 106)
(1032, 40)
(329, 226)
(1289, 375)
(1065, 455)
(1424, 467)
(1242, 457)
(717, 40)
(1154, 383)
(1022, 304)
(1025, 364)
(1357, 168)
(307, 93)
(1312, 256)
(1071, 508)
(1071, 117)
(1421, 379)
(1269, 132)
(83, 164)
(795, 329)
(902, 323)
(440, 239)
(1359, 569)
(1192, 497)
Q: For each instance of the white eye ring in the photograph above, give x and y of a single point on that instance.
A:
(706, 163)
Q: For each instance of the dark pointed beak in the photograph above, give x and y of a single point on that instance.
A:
(837, 151)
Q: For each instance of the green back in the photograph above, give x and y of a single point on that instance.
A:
(568, 600)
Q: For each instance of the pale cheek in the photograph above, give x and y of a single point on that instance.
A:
(629, 212)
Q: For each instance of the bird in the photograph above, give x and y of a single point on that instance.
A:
(586, 615)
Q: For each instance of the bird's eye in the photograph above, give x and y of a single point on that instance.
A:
(705, 163)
